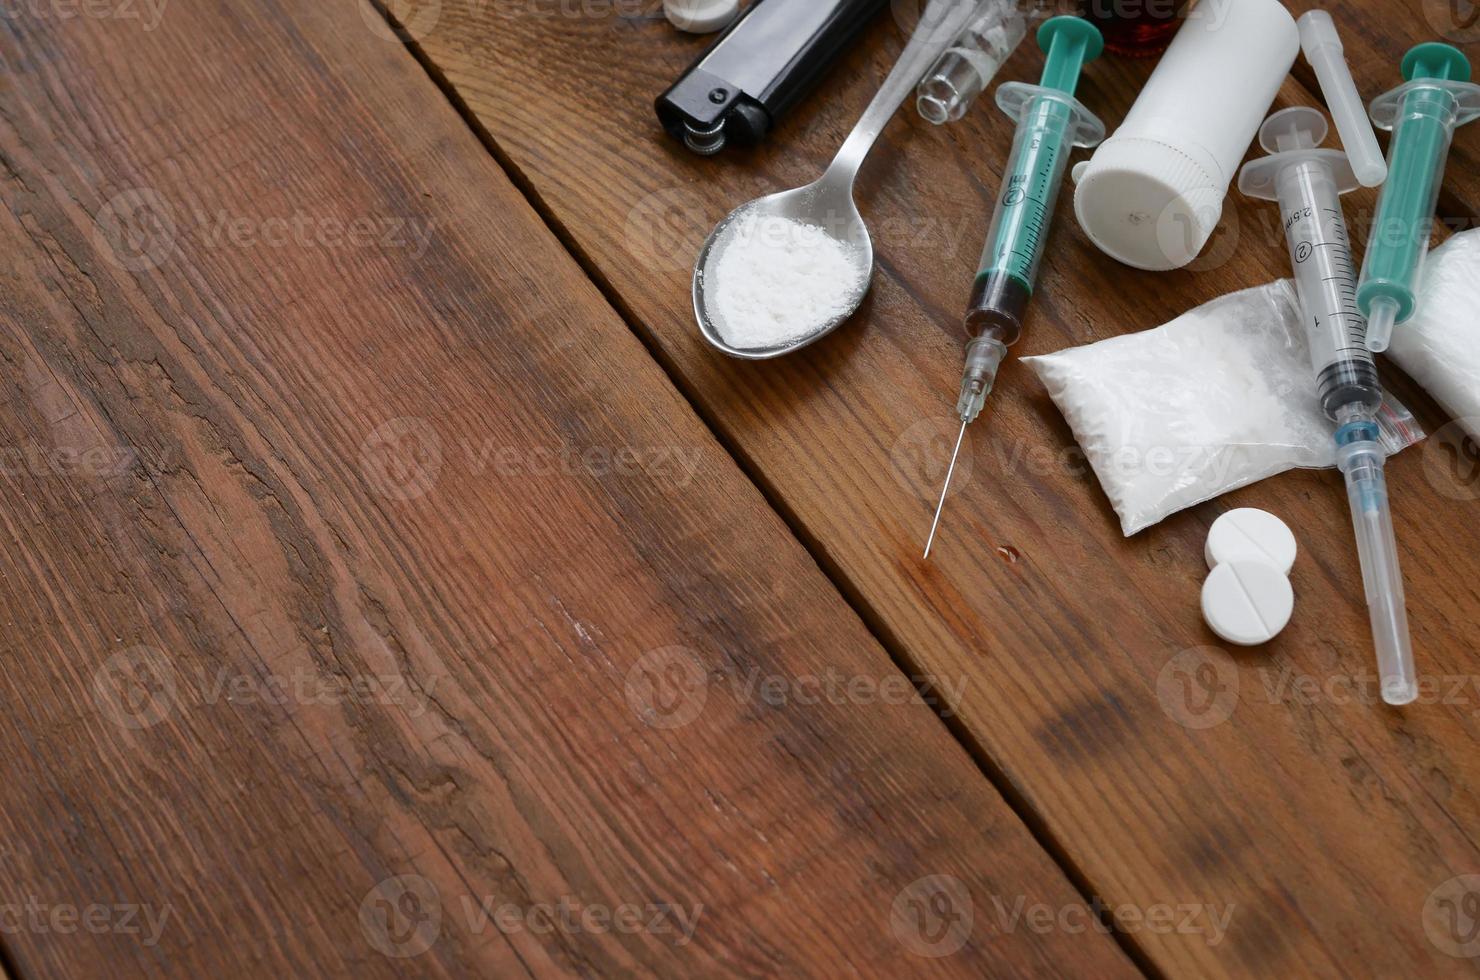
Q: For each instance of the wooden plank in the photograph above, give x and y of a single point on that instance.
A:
(370, 594)
(1327, 824)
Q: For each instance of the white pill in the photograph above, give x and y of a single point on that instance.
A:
(1247, 602)
(1248, 534)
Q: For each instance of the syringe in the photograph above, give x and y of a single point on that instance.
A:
(1422, 114)
(1308, 182)
(1050, 122)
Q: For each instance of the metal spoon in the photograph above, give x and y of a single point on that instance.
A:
(827, 203)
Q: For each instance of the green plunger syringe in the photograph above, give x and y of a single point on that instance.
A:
(1422, 113)
(1050, 123)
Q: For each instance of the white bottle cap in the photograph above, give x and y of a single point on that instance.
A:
(1248, 534)
(701, 16)
(1152, 194)
(1247, 602)
(1147, 203)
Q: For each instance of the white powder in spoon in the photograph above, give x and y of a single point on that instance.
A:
(775, 280)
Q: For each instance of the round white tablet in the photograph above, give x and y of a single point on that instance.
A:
(1248, 534)
(1247, 602)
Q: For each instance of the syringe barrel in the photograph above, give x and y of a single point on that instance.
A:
(1399, 241)
(1049, 124)
(1326, 279)
(1361, 460)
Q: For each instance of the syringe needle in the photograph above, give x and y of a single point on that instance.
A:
(934, 525)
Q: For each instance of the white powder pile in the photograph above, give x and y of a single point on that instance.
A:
(775, 280)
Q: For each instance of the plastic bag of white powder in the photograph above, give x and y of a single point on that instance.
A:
(1221, 397)
(1440, 347)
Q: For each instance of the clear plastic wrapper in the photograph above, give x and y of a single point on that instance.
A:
(1440, 347)
(1218, 398)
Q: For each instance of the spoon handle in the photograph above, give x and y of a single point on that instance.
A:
(940, 24)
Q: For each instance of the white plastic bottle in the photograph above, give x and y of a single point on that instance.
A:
(1152, 194)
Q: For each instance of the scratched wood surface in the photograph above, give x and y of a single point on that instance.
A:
(1166, 770)
(373, 603)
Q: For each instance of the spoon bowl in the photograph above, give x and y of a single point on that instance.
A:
(819, 205)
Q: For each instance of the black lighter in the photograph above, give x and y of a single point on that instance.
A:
(758, 69)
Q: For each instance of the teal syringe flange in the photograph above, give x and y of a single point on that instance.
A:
(1422, 114)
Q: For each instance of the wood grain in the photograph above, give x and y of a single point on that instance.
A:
(365, 579)
(1327, 824)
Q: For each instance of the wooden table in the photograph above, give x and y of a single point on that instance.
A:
(395, 583)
